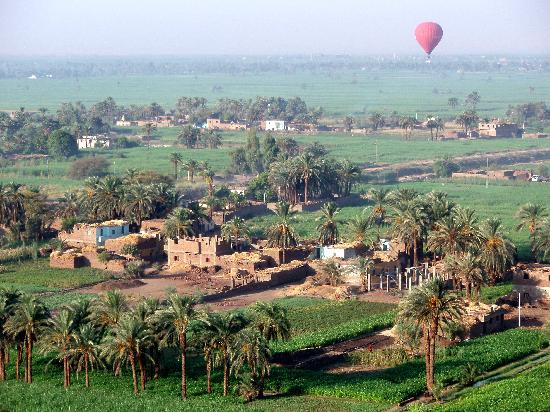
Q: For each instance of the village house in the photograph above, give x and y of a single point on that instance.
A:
(197, 251)
(273, 125)
(498, 128)
(217, 124)
(341, 250)
(532, 281)
(94, 234)
(482, 320)
(93, 141)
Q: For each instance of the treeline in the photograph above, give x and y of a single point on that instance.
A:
(107, 333)
(20, 67)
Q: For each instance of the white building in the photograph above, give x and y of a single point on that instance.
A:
(94, 141)
(275, 125)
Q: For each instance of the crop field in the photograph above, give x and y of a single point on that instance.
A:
(340, 92)
(525, 392)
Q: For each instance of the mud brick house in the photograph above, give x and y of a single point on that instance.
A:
(483, 320)
(198, 251)
(148, 245)
(95, 234)
(498, 128)
(532, 281)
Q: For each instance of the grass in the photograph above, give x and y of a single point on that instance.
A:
(339, 91)
(37, 276)
(490, 294)
(525, 392)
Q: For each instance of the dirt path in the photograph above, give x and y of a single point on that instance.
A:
(510, 157)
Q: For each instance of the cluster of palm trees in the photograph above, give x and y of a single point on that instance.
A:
(306, 177)
(23, 209)
(88, 334)
(113, 197)
(534, 218)
(194, 138)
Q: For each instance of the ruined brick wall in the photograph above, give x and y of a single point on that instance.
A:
(81, 235)
(67, 261)
(290, 254)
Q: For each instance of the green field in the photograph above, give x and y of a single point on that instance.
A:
(339, 92)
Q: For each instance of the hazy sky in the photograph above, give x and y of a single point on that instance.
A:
(182, 27)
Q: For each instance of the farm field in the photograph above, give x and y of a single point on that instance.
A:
(339, 92)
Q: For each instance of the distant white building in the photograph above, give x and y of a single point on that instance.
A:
(274, 125)
(94, 141)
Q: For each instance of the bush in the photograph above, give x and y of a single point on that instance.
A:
(17, 254)
(130, 249)
(62, 144)
(103, 257)
(379, 358)
(67, 223)
(88, 166)
(445, 167)
(134, 269)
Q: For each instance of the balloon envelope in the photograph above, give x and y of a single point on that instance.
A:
(428, 35)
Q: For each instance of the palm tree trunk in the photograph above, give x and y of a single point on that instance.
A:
(183, 350)
(18, 359)
(225, 374)
(29, 359)
(2, 365)
(415, 252)
(142, 375)
(68, 372)
(134, 375)
(468, 291)
(305, 189)
(208, 374)
(428, 355)
(86, 370)
(262, 380)
(188, 175)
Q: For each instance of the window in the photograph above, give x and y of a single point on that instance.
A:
(101, 232)
(175, 258)
(526, 276)
(113, 231)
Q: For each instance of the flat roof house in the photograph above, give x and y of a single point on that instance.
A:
(95, 234)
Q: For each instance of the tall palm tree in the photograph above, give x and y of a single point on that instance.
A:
(282, 234)
(179, 223)
(541, 246)
(208, 176)
(129, 339)
(225, 327)
(234, 230)
(430, 307)
(410, 226)
(29, 318)
(328, 224)
(58, 337)
(468, 269)
(138, 203)
(206, 341)
(496, 250)
(85, 351)
(379, 213)
(175, 159)
(110, 308)
(176, 320)
(530, 216)
(348, 174)
(308, 169)
(448, 237)
(108, 196)
(359, 226)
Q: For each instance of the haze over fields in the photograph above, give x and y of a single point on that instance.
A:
(106, 27)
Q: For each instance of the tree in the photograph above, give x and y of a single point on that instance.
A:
(234, 230)
(445, 167)
(410, 226)
(379, 213)
(348, 123)
(149, 128)
(467, 268)
(224, 328)
(58, 336)
(541, 245)
(62, 144)
(212, 139)
(282, 234)
(449, 236)
(364, 266)
(176, 320)
(407, 123)
(175, 159)
(138, 202)
(376, 120)
(531, 216)
(128, 342)
(453, 102)
(472, 100)
(328, 226)
(430, 308)
(468, 120)
(30, 317)
(333, 272)
(110, 308)
(359, 226)
(496, 250)
(89, 166)
(179, 223)
(307, 170)
(189, 136)
(85, 351)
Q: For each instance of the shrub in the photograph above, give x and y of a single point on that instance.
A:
(445, 167)
(130, 249)
(134, 269)
(88, 166)
(62, 144)
(380, 358)
(104, 257)
(67, 223)
(17, 254)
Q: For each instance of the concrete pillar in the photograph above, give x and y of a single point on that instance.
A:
(410, 283)
(388, 282)
(399, 279)
(420, 279)
(381, 280)
(369, 282)
(433, 271)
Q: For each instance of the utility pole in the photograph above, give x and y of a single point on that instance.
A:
(519, 309)
(487, 174)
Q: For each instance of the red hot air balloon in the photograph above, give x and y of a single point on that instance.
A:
(428, 35)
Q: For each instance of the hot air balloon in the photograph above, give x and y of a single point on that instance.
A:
(428, 35)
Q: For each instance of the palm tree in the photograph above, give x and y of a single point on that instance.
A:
(467, 120)
(138, 203)
(364, 266)
(453, 102)
(328, 226)
(176, 319)
(448, 237)
(407, 124)
(468, 269)
(348, 174)
(30, 317)
(234, 230)
(379, 213)
(430, 307)
(108, 196)
(410, 226)
(148, 129)
(496, 250)
(110, 308)
(541, 246)
(128, 342)
(85, 351)
(213, 139)
(175, 159)
(59, 336)
(530, 216)
(179, 223)
(282, 234)
(206, 340)
(359, 226)
(377, 120)
(225, 327)
(308, 169)
(191, 166)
